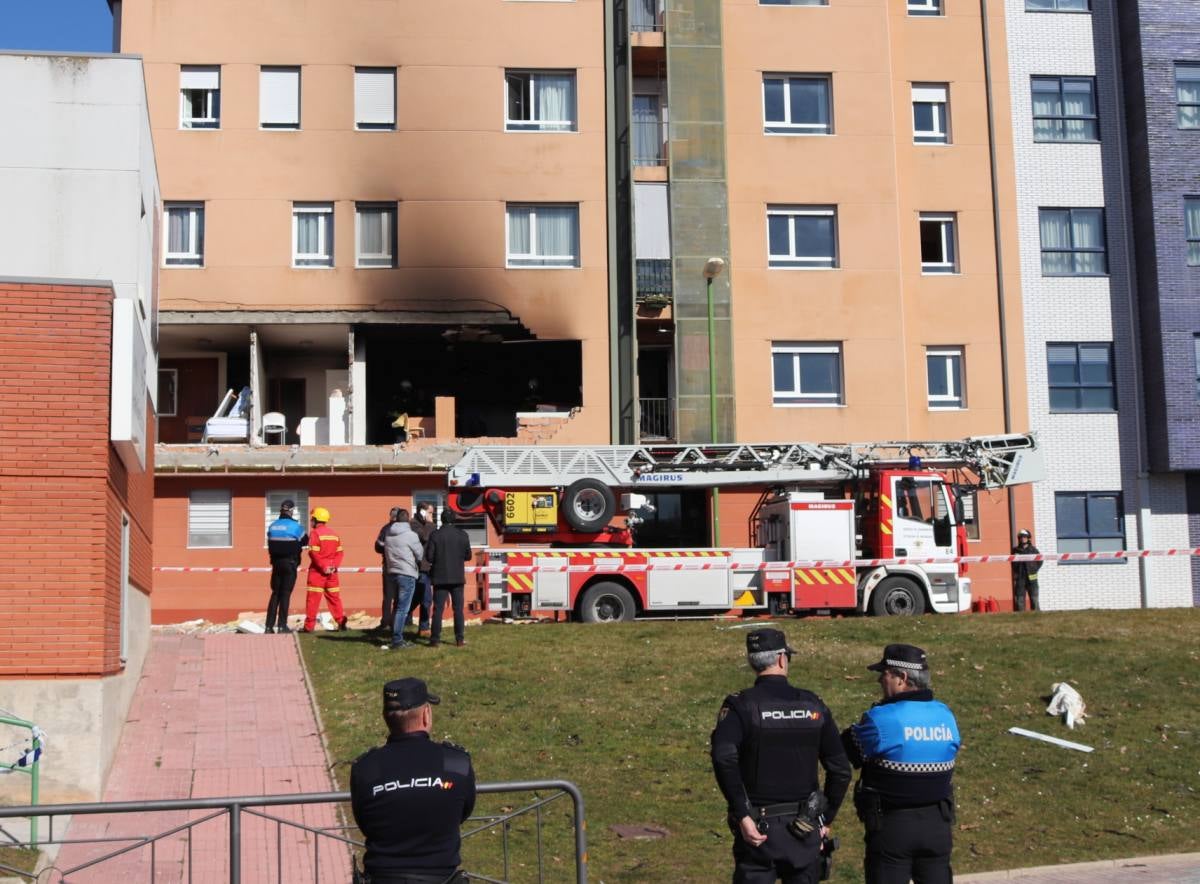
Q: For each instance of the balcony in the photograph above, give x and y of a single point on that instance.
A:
(654, 282)
(655, 420)
(645, 16)
(649, 142)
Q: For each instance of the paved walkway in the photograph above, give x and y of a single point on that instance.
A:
(219, 715)
(1177, 869)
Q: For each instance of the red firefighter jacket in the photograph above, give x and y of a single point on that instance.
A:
(324, 549)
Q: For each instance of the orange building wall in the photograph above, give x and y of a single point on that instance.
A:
(63, 487)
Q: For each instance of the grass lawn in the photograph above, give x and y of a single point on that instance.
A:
(21, 858)
(625, 711)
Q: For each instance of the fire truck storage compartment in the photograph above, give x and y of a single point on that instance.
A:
(822, 529)
(552, 589)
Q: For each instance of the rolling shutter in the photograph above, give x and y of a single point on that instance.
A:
(209, 520)
(279, 96)
(200, 78)
(375, 97)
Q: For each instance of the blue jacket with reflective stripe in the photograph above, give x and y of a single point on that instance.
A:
(906, 746)
(285, 540)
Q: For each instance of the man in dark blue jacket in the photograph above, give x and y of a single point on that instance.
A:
(286, 540)
(906, 745)
(410, 795)
(448, 550)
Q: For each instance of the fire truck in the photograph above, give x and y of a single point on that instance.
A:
(829, 503)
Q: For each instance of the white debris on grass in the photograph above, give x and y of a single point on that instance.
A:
(1067, 703)
(1034, 735)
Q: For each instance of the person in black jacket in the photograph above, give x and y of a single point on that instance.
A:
(410, 795)
(448, 549)
(286, 541)
(1025, 574)
(766, 747)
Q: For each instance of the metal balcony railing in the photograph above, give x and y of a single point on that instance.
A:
(649, 143)
(654, 281)
(656, 421)
(261, 842)
(646, 15)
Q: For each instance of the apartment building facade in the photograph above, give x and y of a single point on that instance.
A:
(77, 351)
(369, 223)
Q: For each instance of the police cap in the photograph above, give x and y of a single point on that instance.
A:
(908, 657)
(767, 640)
(407, 693)
(287, 506)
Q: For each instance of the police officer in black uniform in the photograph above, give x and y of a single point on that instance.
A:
(906, 745)
(765, 749)
(410, 795)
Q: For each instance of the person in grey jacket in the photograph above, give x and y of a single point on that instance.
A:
(402, 554)
(388, 608)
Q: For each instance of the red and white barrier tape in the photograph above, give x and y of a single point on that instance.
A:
(614, 564)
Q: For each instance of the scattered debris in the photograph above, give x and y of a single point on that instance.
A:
(1067, 702)
(1034, 735)
(639, 832)
(250, 627)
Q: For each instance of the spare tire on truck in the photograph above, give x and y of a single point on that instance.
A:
(588, 505)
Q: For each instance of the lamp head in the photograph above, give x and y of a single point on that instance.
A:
(713, 267)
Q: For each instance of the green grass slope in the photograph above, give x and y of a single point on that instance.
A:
(625, 711)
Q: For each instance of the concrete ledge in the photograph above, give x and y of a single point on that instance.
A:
(1060, 872)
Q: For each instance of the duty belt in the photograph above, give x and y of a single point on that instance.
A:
(779, 809)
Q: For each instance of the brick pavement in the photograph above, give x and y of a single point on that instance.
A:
(214, 716)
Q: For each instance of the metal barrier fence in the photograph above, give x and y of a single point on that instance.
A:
(655, 418)
(118, 846)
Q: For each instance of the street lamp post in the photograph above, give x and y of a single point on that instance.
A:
(712, 269)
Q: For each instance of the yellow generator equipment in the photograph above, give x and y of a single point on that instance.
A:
(530, 512)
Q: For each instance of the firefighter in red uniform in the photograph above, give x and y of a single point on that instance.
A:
(325, 554)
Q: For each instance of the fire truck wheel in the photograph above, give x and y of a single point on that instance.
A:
(897, 597)
(589, 505)
(606, 602)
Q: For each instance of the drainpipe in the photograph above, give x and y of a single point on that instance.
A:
(1001, 310)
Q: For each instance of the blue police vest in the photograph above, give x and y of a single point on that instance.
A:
(909, 736)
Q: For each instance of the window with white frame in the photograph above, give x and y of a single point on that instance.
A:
(939, 249)
(279, 97)
(924, 7)
(542, 235)
(375, 234)
(802, 236)
(1191, 224)
(944, 373)
(312, 234)
(931, 113)
(1073, 242)
(275, 499)
(806, 373)
(1187, 95)
(1058, 5)
(375, 98)
(199, 97)
(796, 104)
(210, 518)
(185, 235)
(1064, 109)
(539, 101)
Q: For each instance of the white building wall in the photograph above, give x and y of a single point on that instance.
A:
(1086, 452)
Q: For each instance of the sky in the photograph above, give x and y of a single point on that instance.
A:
(56, 25)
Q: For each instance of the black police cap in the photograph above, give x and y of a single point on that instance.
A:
(767, 640)
(287, 506)
(908, 657)
(407, 693)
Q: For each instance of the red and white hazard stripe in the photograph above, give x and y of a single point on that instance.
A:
(613, 565)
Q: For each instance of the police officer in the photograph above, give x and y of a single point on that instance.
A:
(286, 540)
(765, 749)
(410, 795)
(906, 745)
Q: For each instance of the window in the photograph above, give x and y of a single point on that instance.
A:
(939, 252)
(279, 98)
(1196, 352)
(1089, 521)
(806, 374)
(312, 234)
(924, 7)
(969, 501)
(931, 113)
(539, 101)
(543, 236)
(796, 105)
(1064, 109)
(944, 371)
(375, 98)
(209, 518)
(802, 236)
(199, 98)
(1191, 223)
(275, 500)
(375, 233)
(1073, 242)
(1081, 377)
(475, 526)
(1187, 95)
(168, 392)
(185, 235)
(793, 2)
(1057, 6)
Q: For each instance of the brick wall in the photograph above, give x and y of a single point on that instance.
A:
(62, 487)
